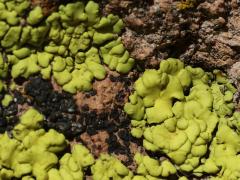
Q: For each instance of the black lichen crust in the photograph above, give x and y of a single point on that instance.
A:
(8, 115)
(58, 108)
(62, 114)
(115, 122)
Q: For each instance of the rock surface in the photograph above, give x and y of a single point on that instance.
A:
(206, 34)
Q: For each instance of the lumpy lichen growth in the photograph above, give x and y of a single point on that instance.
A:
(32, 152)
(184, 113)
(71, 44)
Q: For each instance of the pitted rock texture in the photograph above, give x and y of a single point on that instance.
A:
(209, 30)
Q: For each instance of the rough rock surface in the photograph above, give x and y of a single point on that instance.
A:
(105, 93)
(208, 33)
(205, 35)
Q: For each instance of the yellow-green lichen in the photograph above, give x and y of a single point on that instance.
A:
(177, 109)
(33, 151)
(7, 99)
(108, 167)
(152, 167)
(45, 44)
